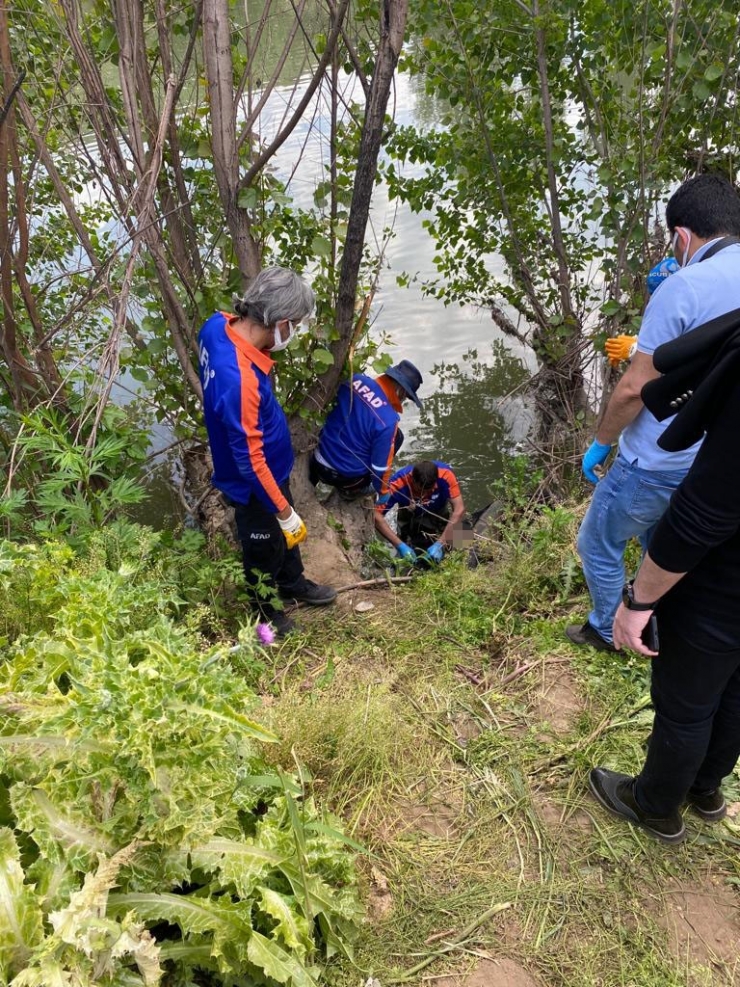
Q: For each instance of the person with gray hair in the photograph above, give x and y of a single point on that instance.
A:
(250, 441)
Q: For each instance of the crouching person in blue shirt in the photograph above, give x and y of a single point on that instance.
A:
(430, 509)
(361, 435)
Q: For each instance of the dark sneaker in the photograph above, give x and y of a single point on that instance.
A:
(586, 634)
(282, 623)
(307, 591)
(616, 792)
(711, 806)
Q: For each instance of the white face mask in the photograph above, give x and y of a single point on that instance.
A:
(684, 261)
(280, 343)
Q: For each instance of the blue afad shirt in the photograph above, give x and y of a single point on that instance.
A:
(359, 435)
(402, 495)
(247, 429)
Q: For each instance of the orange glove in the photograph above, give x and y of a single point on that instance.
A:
(620, 348)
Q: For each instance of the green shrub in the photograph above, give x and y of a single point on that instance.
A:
(144, 834)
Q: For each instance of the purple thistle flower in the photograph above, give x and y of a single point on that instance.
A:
(265, 634)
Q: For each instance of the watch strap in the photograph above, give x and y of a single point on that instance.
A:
(628, 598)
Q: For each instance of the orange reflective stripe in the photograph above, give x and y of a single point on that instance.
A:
(445, 474)
(250, 406)
(388, 466)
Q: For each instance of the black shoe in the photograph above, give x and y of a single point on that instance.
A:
(616, 792)
(586, 634)
(307, 591)
(282, 623)
(711, 806)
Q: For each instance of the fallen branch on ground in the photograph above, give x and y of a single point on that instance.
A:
(450, 946)
(374, 582)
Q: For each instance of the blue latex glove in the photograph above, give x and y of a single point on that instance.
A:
(658, 274)
(436, 552)
(595, 455)
(406, 552)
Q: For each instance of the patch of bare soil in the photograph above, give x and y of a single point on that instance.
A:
(379, 898)
(561, 820)
(558, 700)
(703, 925)
(491, 973)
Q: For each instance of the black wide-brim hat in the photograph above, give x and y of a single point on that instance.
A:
(406, 374)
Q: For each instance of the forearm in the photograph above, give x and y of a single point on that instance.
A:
(652, 582)
(626, 401)
(384, 529)
(458, 512)
(623, 408)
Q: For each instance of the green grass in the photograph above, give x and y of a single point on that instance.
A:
(427, 725)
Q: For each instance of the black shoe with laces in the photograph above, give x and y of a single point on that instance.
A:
(616, 792)
(307, 591)
(586, 634)
(710, 806)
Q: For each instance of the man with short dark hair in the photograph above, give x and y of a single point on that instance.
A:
(703, 218)
(361, 435)
(430, 509)
(690, 579)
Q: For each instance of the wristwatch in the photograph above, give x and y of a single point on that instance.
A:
(628, 598)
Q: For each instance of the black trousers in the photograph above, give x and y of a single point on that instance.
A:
(422, 531)
(269, 565)
(351, 486)
(696, 734)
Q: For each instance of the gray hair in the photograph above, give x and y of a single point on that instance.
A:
(275, 294)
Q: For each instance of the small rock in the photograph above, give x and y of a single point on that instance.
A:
(364, 606)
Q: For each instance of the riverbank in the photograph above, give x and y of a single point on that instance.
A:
(446, 725)
(452, 726)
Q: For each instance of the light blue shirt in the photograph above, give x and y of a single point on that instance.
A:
(684, 301)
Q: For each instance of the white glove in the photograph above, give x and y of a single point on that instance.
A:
(293, 528)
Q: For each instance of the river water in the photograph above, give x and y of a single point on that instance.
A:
(474, 408)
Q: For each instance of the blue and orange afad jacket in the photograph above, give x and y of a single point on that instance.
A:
(402, 495)
(359, 435)
(247, 429)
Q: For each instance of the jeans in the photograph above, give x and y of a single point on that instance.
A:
(626, 504)
(695, 741)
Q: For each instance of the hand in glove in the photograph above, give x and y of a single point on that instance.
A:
(293, 528)
(595, 456)
(658, 274)
(620, 348)
(406, 552)
(436, 552)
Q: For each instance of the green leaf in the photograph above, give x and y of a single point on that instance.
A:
(714, 71)
(248, 198)
(292, 927)
(276, 963)
(321, 246)
(323, 357)
(701, 90)
(192, 914)
(20, 914)
(232, 719)
(244, 865)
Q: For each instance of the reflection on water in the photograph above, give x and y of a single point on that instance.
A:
(469, 368)
(472, 417)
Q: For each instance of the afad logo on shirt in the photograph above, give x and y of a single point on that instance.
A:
(368, 396)
(205, 362)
